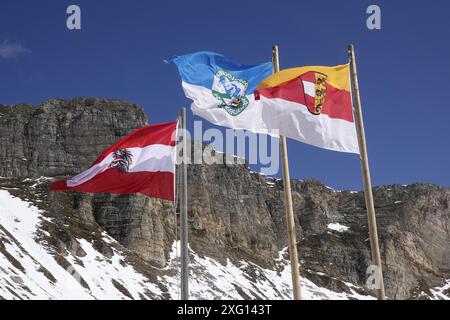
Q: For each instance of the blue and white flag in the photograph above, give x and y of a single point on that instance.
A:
(222, 90)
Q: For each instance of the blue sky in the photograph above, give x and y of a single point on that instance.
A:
(404, 68)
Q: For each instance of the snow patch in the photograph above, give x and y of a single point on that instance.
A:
(337, 227)
(334, 190)
(438, 292)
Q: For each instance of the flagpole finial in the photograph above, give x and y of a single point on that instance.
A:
(275, 59)
(274, 50)
(351, 53)
(350, 49)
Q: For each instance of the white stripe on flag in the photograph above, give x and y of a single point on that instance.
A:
(153, 158)
(310, 88)
(292, 119)
(296, 122)
(206, 106)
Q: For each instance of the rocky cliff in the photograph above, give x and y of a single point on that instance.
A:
(243, 221)
(61, 137)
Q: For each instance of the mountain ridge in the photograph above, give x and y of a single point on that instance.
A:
(242, 222)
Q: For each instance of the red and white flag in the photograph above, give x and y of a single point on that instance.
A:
(142, 162)
(311, 104)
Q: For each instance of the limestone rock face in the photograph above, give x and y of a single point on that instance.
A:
(61, 137)
(233, 213)
(248, 215)
(145, 226)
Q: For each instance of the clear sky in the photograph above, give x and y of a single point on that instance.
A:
(404, 68)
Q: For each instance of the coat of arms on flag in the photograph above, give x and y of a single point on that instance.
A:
(142, 162)
(222, 90)
(230, 92)
(122, 159)
(314, 88)
(312, 105)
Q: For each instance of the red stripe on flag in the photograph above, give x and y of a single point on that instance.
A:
(337, 105)
(291, 91)
(59, 186)
(309, 76)
(153, 184)
(162, 133)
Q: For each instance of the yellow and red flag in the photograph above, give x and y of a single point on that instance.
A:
(311, 104)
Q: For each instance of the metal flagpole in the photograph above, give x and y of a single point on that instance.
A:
(183, 213)
(374, 246)
(288, 200)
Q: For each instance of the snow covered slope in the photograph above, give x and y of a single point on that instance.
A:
(31, 268)
(28, 270)
(237, 281)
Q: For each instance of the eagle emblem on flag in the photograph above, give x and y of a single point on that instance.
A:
(230, 92)
(122, 159)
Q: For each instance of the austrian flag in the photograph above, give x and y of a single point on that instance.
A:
(142, 162)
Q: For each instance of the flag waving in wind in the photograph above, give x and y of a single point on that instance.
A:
(142, 162)
(222, 90)
(309, 104)
(312, 105)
